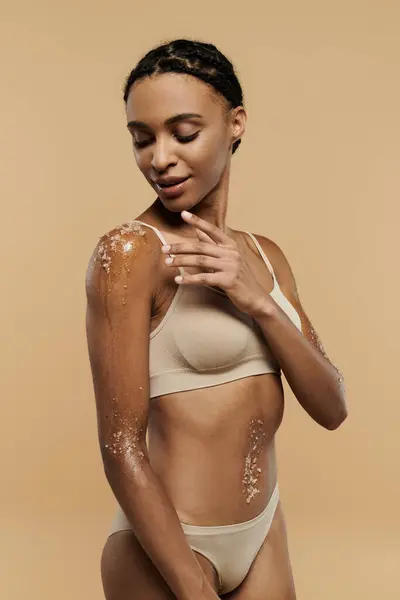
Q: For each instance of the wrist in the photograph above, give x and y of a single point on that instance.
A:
(203, 590)
(264, 308)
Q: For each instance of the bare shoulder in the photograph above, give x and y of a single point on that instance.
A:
(280, 263)
(282, 269)
(121, 264)
(286, 279)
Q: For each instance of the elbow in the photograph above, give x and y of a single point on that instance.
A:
(338, 419)
(126, 459)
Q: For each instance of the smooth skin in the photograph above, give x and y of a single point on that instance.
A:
(128, 573)
(215, 417)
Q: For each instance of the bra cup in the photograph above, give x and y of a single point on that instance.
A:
(211, 333)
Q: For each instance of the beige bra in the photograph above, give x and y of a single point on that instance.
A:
(204, 340)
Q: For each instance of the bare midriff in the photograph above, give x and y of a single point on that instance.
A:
(213, 448)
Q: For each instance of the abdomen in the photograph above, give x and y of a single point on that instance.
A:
(213, 448)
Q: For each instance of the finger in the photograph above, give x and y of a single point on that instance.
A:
(211, 279)
(201, 261)
(194, 247)
(215, 233)
(203, 236)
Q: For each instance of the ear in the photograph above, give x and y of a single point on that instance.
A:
(239, 119)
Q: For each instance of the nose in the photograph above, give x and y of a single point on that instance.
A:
(162, 156)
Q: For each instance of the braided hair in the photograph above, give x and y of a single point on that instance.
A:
(199, 59)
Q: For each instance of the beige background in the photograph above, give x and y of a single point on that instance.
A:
(318, 172)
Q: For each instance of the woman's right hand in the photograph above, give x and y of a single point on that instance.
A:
(207, 593)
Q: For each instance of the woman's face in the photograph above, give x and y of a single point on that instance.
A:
(169, 144)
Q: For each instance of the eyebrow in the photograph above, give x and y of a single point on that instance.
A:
(169, 121)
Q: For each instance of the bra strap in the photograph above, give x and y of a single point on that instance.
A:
(161, 237)
(261, 251)
(158, 232)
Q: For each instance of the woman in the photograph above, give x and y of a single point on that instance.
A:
(189, 325)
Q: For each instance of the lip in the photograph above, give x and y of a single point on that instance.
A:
(172, 190)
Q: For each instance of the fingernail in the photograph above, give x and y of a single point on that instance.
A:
(169, 261)
(187, 214)
(178, 278)
(165, 248)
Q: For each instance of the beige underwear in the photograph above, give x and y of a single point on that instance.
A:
(230, 548)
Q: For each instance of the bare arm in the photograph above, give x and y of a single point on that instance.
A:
(119, 288)
(315, 381)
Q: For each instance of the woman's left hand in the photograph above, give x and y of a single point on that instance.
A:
(231, 272)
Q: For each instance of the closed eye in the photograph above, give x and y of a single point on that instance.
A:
(183, 139)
